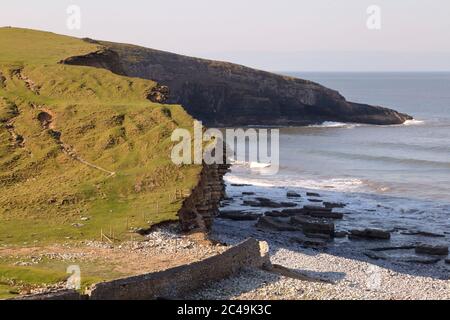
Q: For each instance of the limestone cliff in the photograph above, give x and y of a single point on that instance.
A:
(226, 94)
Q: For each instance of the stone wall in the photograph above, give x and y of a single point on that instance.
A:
(174, 282)
(200, 208)
(180, 280)
(55, 295)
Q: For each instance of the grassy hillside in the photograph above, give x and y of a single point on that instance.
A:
(81, 149)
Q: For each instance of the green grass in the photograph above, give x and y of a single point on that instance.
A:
(107, 120)
(45, 194)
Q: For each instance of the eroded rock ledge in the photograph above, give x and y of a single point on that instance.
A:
(200, 208)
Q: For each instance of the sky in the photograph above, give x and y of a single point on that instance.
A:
(281, 35)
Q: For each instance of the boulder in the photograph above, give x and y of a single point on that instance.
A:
(268, 203)
(313, 226)
(421, 260)
(369, 234)
(251, 203)
(340, 234)
(393, 248)
(270, 223)
(238, 215)
(276, 214)
(375, 255)
(248, 193)
(322, 236)
(293, 194)
(316, 208)
(437, 250)
(312, 194)
(325, 214)
(333, 205)
(293, 212)
(288, 204)
(308, 242)
(423, 234)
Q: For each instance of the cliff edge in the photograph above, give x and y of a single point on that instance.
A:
(226, 94)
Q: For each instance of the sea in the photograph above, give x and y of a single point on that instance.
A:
(391, 177)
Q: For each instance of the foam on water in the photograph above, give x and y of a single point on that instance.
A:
(332, 124)
(337, 184)
(365, 209)
(413, 122)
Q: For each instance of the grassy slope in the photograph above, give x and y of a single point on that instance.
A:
(107, 121)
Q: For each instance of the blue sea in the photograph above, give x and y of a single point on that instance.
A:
(390, 176)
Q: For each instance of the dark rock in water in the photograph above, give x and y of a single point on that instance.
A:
(268, 203)
(423, 233)
(325, 214)
(288, 204)
(293, 194)
(251, 203)
(315, 200)
(293, 212)
(240, 185)
(277, 214)
(238, 216)
(333, 205)
(309, 225)
(393, 248)
(309, 242)
(447, 261)
(369, 234)
(375, 255)
(261, 199)
(270, 223)
(316, 208)
(432, 250)
(340, 234)
(248, 193)
(322, 236)
(312, 194)
(422, 260)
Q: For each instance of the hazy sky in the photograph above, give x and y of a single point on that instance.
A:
(281, 35)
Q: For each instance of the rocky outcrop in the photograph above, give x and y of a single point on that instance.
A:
(202, 205)
(438, 250)
(369, 234)
(103, 58)
(226, 94)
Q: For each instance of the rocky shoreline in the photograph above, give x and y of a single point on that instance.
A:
(315, 238)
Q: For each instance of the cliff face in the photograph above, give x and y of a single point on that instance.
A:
(199, 209)
(226, 94)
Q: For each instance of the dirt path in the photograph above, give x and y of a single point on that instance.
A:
(47, 118)
(159, 252)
